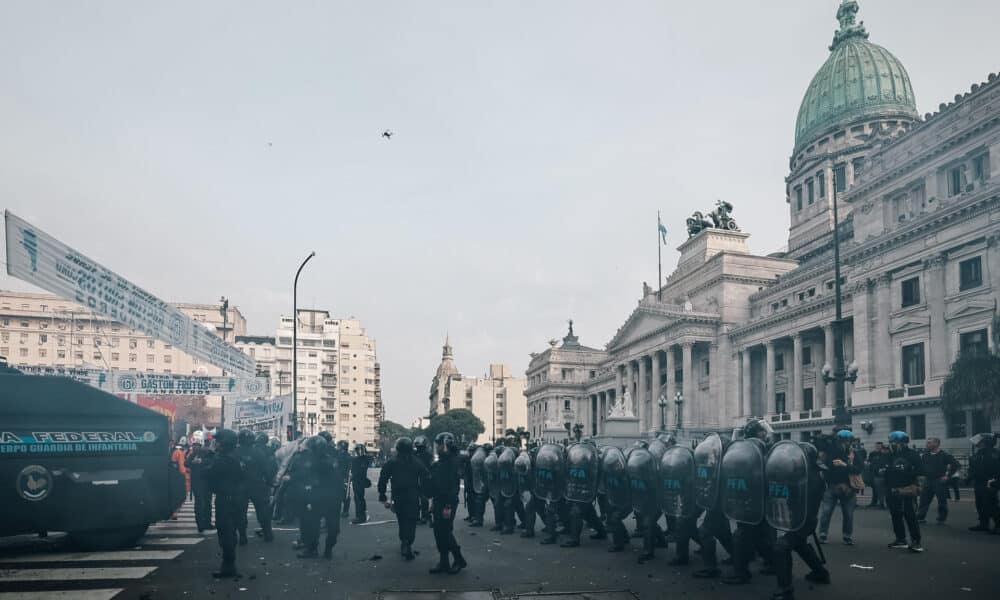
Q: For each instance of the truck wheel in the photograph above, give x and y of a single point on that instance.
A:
(108, 539)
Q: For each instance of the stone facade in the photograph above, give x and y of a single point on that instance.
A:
(741, 335)
(497, 398)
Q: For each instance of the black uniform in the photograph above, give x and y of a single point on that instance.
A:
(199, 462)
(260, 468)
(344, 458)
(359, 482)
(323, 493)
(407, 473)
(442, 489)
(426, 458)
(938, 468)
(226, 479)
(798, 540)
(902, 471)
(984, 465)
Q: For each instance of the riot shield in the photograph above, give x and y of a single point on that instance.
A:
(657, 448)
(641, 468)
(786, 471)
(677, 478)
(581, 473)
(478, 466)
(614, 477)
(508, 479)
(741, 479)
(707, 457)
(550, 473)
(523, 471)
(492, 467)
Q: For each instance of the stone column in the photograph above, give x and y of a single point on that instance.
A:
(884, 360)
(642, 397)
(654, 402)
(688, 384)
(769, 407)
(795, 398)
(630, 385)
(619, 382)
(828, 358)
(716, 389)
(745, 378)
(862, 339)
(671, 388)
(936, 286)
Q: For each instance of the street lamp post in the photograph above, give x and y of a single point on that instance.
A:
(663, 406)
(224, 309)
(295, 344)
(679, 402)
(837, 373)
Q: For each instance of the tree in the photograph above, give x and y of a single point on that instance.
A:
(460, 422)
(973, 383)
(388, 433)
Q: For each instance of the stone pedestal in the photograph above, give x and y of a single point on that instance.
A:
(621, 426)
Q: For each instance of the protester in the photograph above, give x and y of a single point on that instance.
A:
(939, 466)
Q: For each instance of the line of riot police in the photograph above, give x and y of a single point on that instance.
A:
(768, 490)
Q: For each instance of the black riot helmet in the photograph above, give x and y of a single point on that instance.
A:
(343, 446)
(327, 436)
(260, 439)
(245, 437)
(226, 439)
(420, 443)
(360, 450)
(447, 441)
(488, 447)
(755, 428)
(316, 443)
(404, 445)
(472, 448)
(668, 439)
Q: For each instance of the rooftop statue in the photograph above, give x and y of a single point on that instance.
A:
(720, 219)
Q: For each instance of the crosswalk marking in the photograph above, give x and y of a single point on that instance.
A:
(71, 574)
(96, 556)
(62, 594)
(174, 541)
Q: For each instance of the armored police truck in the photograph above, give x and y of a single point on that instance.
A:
(79, 460)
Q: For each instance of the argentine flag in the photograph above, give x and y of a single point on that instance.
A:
(663, 230)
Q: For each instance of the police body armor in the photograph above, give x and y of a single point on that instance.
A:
(524, 472)
(492, 469)
(786, 473)
(581, 473)
(641, 466)
(707, 458)
(508, 478)
(741, 478)
(614, 477)
(677, 479)
(550, 473)
(478, 465)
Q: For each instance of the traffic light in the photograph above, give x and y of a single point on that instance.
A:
(288, 433)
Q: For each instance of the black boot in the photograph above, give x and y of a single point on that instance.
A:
(442, 566)
(328, 552)
(459, 561)
(268, 534)
(243, 538)
(407, 551)
(226, 571)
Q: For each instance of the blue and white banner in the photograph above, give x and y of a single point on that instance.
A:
(42, 260)
(159, 384)
(270, 416)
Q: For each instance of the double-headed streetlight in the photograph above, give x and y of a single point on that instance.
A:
(663, 406)
(679, 402)
(295, 347)
(836, 373)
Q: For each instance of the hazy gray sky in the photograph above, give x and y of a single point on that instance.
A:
(204, 148)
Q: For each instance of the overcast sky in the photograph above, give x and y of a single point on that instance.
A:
(204, 148)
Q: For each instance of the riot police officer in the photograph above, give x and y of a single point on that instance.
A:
(360, 482)
(756, 536)
(984, 474)
(582, 469)
(406, 473)
(423, 453)
(344, 457)
(260, 472)
(442, 489)
(244, 450)
(523, 469)
(902, 477)
(615, 482)
(198, 463)
(323, 496)
(796, 489)
(226, 478)
(715, 526)
(477, 485)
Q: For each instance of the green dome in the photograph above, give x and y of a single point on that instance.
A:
(860, 80)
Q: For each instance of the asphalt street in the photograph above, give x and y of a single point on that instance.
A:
(175, 562)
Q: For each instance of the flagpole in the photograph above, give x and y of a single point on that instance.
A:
(659, 258)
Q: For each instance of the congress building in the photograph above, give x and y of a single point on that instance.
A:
(731, 334)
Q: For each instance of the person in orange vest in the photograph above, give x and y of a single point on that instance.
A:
(177, 459)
